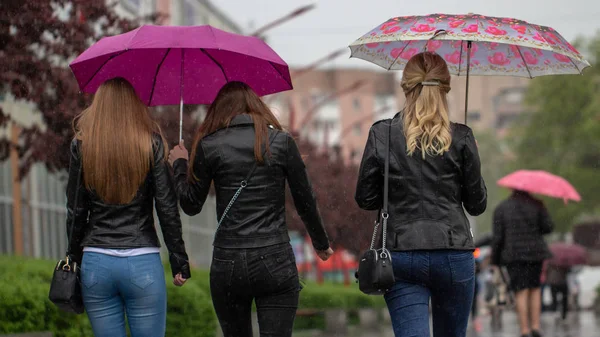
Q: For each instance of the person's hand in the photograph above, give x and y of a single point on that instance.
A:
(178, 152)
(178, 280)
(325, 254)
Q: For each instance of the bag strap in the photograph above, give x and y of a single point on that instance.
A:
(244, 183)
(383, 214)
(75, 202)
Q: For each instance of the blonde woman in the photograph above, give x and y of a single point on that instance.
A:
(434, 172)
(119, 173)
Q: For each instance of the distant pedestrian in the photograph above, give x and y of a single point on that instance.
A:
(520, 223)
(557, 279)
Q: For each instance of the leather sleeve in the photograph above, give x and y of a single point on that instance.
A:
(474, 192)
(192, 195)
(546, 224)
(76, 217)
(304, 197)
(165, 199)
(369, 188)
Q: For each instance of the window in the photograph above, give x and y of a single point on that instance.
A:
(132, 5)
(504, 120)
(474, 116)
(356, 129)
(189, 14)
(356, 104)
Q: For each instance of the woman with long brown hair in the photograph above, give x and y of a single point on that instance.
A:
(118, 171)
(434, 171)
(242, 148)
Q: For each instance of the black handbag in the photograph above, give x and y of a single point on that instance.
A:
(65, 289)
(375, 273)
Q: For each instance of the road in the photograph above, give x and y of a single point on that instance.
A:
(577, 325)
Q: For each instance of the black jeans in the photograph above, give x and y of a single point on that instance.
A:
(266, 275)
(563, 291)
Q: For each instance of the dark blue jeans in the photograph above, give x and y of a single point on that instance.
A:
(113, 287)
(447, 277)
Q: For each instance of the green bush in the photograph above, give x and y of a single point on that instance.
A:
(24, 304)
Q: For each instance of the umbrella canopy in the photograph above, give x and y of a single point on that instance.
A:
(499, 46)
(540, 182)
(471, 44)
(567, 255)
(167, 64)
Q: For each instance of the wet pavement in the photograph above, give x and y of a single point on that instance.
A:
(583, 324)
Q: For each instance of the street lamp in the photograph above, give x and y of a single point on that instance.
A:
(283, 19)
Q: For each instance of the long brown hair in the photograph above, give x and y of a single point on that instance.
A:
(426, 82)
(236, 98)
(116, 135)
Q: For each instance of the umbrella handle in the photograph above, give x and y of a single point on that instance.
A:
(181, 119)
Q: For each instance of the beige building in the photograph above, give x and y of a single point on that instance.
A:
(322, 110)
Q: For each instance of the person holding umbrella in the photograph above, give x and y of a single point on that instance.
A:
(242, 148)
(115, 181)
(434, 172)
(519, 224)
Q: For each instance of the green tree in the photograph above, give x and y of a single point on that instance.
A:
(561, 134)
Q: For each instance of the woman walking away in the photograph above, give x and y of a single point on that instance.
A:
(242, 149)
(117, 177)
(434, 171)
(557, 279)
(520, 223)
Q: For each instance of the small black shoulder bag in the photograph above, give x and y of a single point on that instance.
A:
(65, 289)
(375, 273)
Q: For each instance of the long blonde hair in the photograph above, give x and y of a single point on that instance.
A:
(116, 137)
(426, 82)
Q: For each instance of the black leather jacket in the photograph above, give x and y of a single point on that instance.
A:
(131, 225)
(520, 223)
(426, 196)
(257, 218)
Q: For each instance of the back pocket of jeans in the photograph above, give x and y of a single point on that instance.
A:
(90, 267)
(280, 265)
(462, 266)
(143, 269)
(222, 271)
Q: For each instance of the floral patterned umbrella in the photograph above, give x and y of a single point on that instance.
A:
(471, 44)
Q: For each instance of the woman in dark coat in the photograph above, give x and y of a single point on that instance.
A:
(520, 223)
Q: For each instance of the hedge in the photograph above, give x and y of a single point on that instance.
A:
(24, 304)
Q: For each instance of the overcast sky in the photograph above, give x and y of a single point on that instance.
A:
(334, 24)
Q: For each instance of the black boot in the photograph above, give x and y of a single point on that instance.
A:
(535, 333)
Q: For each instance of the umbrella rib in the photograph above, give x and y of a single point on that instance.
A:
(102, 66)
(280, 74)
(217, 63)
(400, 53)
(524, 62)
(156, 75)
(576, 67)
(460, 58)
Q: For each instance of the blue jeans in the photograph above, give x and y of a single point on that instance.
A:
(446, 277)
(115, 286)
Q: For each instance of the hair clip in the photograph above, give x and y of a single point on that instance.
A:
(430, 83)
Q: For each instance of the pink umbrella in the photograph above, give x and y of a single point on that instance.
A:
(471, 44)
(540, 182)
(567, 255)
(172, 65)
